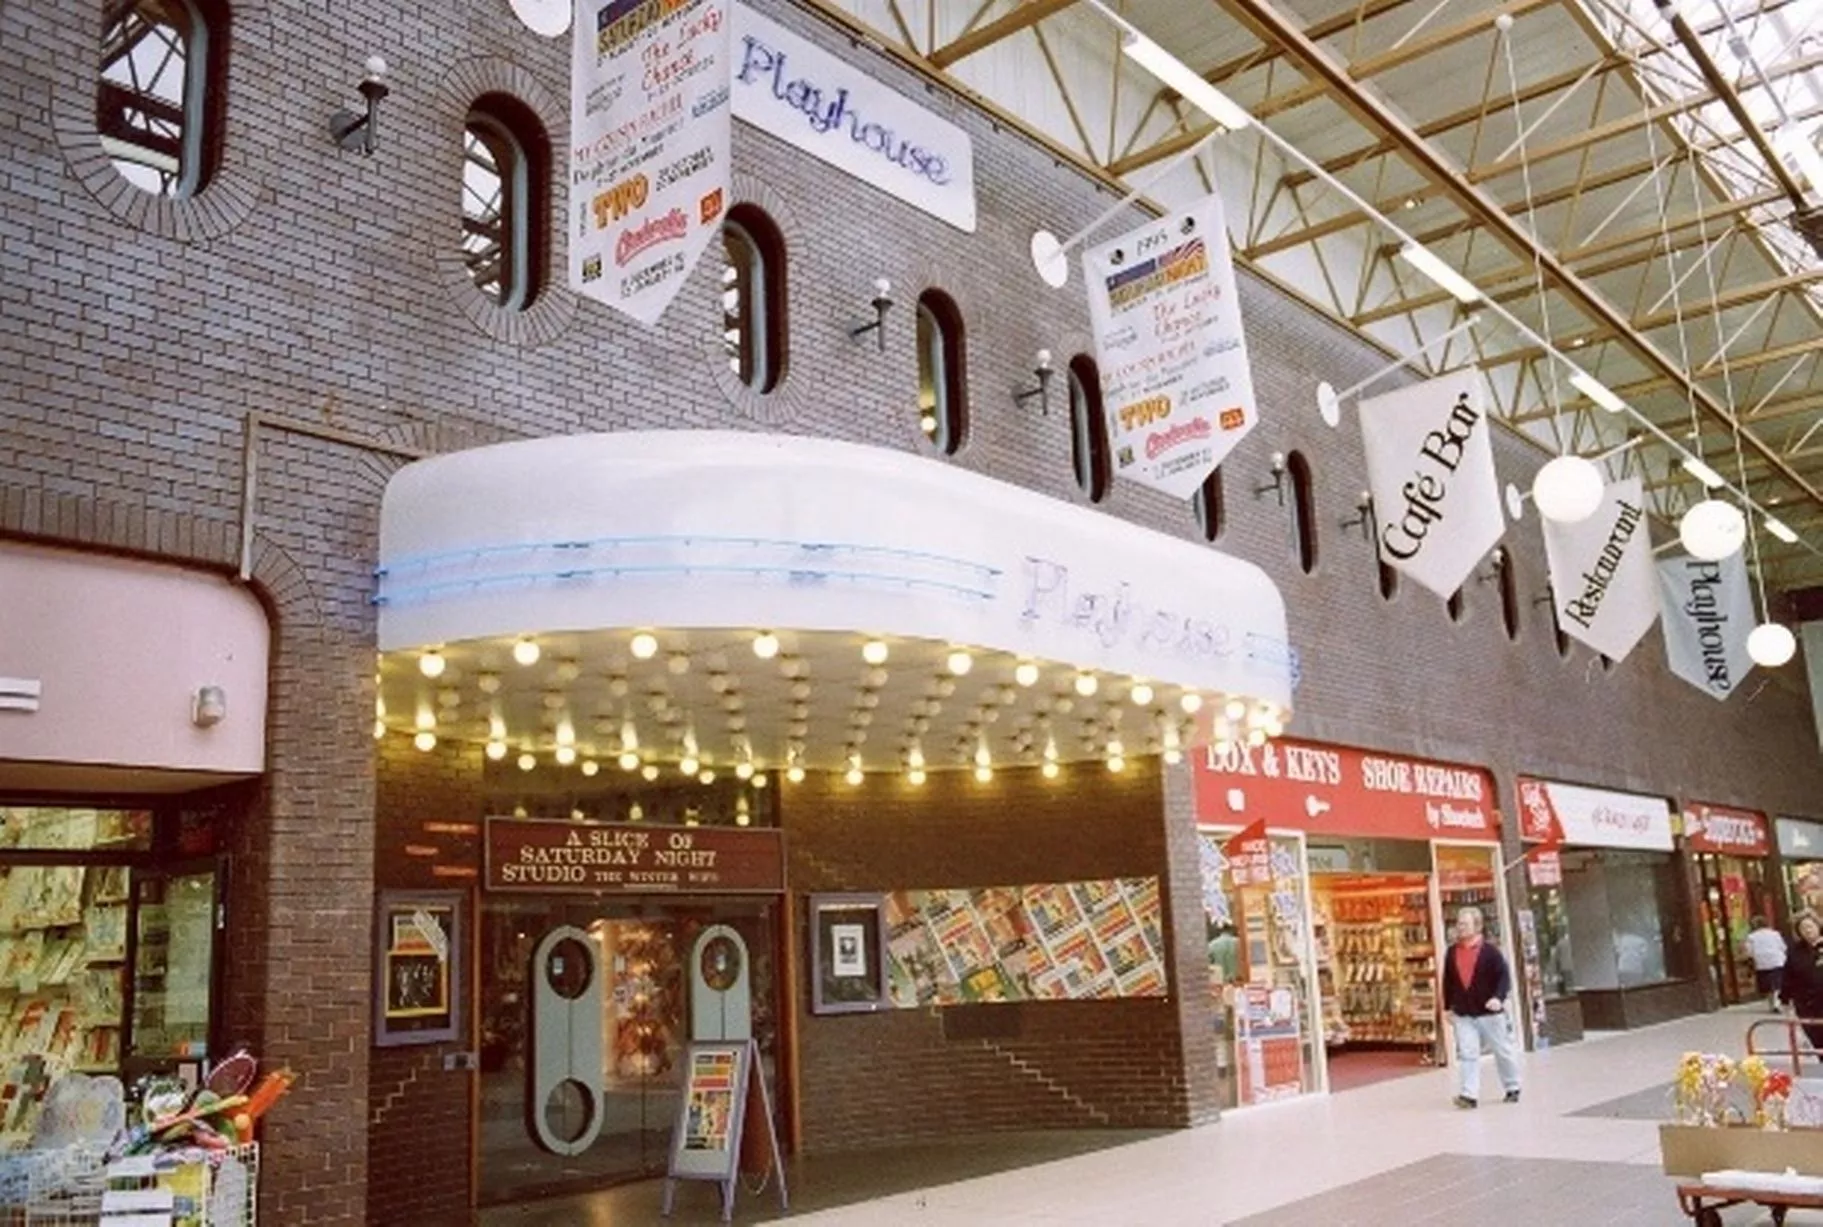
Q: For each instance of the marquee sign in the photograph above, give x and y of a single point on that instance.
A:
(631, 858)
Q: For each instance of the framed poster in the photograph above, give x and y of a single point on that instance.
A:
(848, 954)
(418, 966)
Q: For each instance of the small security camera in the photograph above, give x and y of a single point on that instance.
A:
(208, 707)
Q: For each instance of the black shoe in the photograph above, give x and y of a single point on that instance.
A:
(1512, 1097)
(1463, 1101)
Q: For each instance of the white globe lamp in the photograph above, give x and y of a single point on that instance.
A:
(1568, 489)
(1771, 644)
(1712, 530)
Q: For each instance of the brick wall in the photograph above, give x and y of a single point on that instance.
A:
(315, 284)
(935, 1072)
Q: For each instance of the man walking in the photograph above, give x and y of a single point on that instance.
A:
(1476, 985)
(1766, 947)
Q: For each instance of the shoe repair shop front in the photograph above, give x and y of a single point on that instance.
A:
(1327, 915)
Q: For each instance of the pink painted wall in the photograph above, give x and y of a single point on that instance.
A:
(121, 647)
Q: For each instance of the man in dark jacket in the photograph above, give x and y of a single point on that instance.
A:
(1476, 986)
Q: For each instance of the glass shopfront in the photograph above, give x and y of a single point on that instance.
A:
(1728, 848)
(1801, 857)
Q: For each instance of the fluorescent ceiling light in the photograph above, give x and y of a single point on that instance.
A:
(1175, 73)
(1600, 393)
(1460, 287)
(1702, 472)
(1801, 147)
(1777, 528)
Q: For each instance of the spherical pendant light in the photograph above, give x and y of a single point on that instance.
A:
(1568, 489)
(1771, 644)
(1712, 530)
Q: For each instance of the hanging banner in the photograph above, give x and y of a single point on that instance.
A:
(1430, 470)
(1174, 375)
(1601, 572)
(1708, 611)
(791, 88)
(650, 123)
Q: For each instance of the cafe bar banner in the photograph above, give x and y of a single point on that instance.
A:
(650, 127)
(631, 858)
(1601, 572)
(1708, 611)
(1430, 471)
(1174, 379)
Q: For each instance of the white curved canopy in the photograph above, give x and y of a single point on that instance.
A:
(704, 538)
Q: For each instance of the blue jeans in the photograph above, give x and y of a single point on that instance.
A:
(1473, 1035)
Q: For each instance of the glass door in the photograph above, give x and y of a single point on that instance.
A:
(173, 965)
(1263, 973)
(614, 974)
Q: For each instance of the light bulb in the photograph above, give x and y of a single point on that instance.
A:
(678, 663)
(629, 761)
(928, 423)
(649, 772)
(527, 762)
(1771, 644)
(1173, 755)
(743, 771)
(1141, 694)
(794, 774)
(759, 779)
(875, 652)
(960, 663)
(984, 773)
(853, 776)
(379, 729)
(1192, 702)
(431, 663)
(644, 646)
(765, 645)
(496, 750)
(742, 818)
(706, 776)
(1568, 489)
(526, 651)
(1117, 763)
(567, 671)
(1049, 770)
(590, 767)
(565, 755)
(1236, 709)
(1086, 684)
(1257, 738)
(1025, 673)
(982, 757)
(689, 765)
(1712, 530)
(915, 776)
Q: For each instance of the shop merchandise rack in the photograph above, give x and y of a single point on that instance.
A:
(1381, 978)
(76, 1186)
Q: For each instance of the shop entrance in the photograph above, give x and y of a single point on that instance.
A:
(585, 1013)
(1733, 891)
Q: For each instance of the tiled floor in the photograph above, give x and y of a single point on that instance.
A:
(1581, 1148)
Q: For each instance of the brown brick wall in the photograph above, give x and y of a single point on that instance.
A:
(901, 1074)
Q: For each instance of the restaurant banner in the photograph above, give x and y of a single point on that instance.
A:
(1593, 817)
(650, 130)
(1430, 471)
(1601, 572)
(1708, 611)
(1174, 378)
(1341, 790)
(631, 858)
(1722, 828)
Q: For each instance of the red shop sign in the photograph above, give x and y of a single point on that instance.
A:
(631, 858)
(1340, 790)
(1719, 828)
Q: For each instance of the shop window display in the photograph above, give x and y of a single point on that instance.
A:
(1625, 920)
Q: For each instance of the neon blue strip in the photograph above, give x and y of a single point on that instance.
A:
(420, 561)
(421, 591)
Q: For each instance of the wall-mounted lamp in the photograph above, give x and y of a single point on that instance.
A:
(1497, 562)
(1363, 518)
(882, 303)
(1277, 484)
(359, 133)
(1043, 372)
(208, 707)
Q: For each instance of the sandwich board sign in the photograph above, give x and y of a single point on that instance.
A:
(714, 1114)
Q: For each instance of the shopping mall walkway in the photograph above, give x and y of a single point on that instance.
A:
(1581, 1148)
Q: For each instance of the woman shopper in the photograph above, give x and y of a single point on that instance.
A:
(1803, 985)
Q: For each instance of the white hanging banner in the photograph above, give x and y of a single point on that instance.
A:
(650, 123)
(1708, 610)
(1174, 377)
(1430, 469)
(1601, 572)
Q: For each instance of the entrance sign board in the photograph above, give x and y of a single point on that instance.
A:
(631, 858)
(718, 1108)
